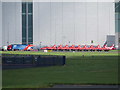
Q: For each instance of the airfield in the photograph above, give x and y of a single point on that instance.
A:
(81, 68)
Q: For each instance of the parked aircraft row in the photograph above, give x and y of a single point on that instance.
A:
(25, 47)
(79, 48)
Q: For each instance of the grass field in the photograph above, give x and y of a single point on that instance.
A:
(81, 68)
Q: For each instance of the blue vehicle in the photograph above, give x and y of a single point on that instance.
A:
(24, 47)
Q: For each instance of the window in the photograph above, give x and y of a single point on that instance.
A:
(117, 7)
(23, 7)
(27, 23)
(30, 8)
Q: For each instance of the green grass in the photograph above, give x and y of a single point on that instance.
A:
(80, 68)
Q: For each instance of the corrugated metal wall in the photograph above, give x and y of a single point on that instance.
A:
(11, 23)
(0, 23)
(60, 23)
(72, 23)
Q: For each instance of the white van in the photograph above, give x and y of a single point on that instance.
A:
(4, 48)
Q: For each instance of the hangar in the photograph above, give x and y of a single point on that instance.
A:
(50, 22)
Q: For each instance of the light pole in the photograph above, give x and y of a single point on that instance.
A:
(40, 45)
(7, 43)
(69, 42)
(91, 41)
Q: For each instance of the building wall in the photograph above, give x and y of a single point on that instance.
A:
(72, 23)
(117, 21)
(117, 29)
(11, 23)
(117, 24)
(0, 23)
(117, 40)
(60, 23)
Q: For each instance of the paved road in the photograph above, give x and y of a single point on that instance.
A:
(86, 86)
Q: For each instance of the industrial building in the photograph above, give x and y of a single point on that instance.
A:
(117, 24)
(49, 23)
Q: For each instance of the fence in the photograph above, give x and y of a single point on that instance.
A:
(23, 61)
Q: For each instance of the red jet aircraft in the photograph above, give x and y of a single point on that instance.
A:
(79, 48)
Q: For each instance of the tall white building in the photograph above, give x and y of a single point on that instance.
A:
(57, 23)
